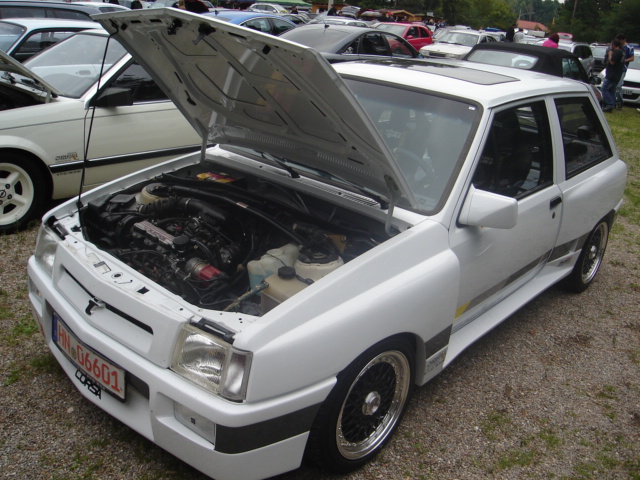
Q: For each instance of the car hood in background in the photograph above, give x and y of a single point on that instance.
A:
(26, 82)
(242, 87)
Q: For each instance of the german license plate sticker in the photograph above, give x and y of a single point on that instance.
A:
(109, 376)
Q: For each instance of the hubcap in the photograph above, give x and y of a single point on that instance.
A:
(594, 252)
(16, 193)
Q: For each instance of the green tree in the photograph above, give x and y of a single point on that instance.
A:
(623, 19)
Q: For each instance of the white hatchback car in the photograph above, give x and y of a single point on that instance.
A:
(279, 295)
(455, 43)
(50, 130)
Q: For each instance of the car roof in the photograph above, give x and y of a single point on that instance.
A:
(37, 23)
(89, 9)
(549, 59)
(487, 85)
(524, 48)
(240, 15)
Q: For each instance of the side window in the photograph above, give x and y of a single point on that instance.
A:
(23, 12)
(280, 26)
(570, 69)
(260, 24)
(374, 44)
(517, 158)
(583, 139)
(68, 14)
(38, 41)
(143, 88)
(398, 47)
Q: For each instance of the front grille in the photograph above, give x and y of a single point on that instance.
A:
(631, 84)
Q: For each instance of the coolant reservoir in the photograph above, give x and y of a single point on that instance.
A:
(282, 286)
(315, 265)
(270, 262)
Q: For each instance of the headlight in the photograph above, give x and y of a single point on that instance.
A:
(211, 363)
(46, 250)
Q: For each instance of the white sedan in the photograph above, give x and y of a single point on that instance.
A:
(62, 125)
(455, 43)
(355, 229)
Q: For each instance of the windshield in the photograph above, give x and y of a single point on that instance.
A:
(459, 38)
(9, 34)
(390, 27)
(635, 65)
(73, 65)
(427, 135)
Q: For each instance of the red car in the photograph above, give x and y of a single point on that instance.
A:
(416, 34)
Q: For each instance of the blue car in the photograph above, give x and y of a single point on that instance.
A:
(263, 22)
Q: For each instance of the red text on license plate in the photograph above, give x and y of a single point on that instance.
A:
(109, 376)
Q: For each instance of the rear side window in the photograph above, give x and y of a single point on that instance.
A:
(583, 138)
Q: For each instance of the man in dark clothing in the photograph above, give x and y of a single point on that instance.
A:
(615, 68)
(510, 33)
(136, 5)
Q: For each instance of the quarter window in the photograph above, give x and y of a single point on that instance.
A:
(517, 158)
(583, 139)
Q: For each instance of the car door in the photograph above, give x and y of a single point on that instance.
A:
(418, 36)
(517, 162)
(136, 133)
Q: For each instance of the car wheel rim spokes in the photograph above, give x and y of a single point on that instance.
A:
(594, 253)
(373, 405)
(16, 193)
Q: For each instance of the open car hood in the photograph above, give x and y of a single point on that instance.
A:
(241, 87)
(16, 75)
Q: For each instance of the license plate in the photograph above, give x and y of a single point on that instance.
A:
(627, 92)
(105, 373)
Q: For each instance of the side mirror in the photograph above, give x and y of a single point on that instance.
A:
(595, 80)
(486, 209)
(113, 97)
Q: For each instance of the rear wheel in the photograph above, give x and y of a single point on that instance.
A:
(364, 408)
(589, 261)
(22, 192)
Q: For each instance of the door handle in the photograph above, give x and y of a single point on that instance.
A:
(555, 202)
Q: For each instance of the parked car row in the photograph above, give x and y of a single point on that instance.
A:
(356, 227)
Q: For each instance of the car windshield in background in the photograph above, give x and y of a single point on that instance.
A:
(9, 34)
(390, 27)
(426, 133)
(503, 58)
(320, 39)
(599, 50)
(459, 38)
(74, 64)
(635, 65)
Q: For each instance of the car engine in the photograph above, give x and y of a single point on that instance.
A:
(227, 242)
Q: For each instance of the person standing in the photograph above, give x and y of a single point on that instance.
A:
(510, 33)
(615, 67)
(552, 41)
(628, 57)
(518, 36)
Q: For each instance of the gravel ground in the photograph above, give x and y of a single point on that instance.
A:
(552, 393)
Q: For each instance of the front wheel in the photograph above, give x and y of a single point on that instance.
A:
(589, 261)
(22, 192)
(364, 408)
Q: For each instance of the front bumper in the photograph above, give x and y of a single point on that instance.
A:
(252, 441)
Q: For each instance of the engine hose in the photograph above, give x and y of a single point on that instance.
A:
(212, 196)
(190, 205)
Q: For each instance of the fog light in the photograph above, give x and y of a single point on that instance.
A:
(195, 422)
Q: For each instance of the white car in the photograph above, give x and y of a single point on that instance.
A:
(354, 230)
(631, 84)
(268, 8)
(22, 38)
(455, 43)
(48, 123)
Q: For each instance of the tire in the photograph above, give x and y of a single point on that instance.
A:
(364, 408)
(22, 192)
(589, 261)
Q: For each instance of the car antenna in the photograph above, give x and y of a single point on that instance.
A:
(85, 152)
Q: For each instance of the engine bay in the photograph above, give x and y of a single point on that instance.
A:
(225, 240)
